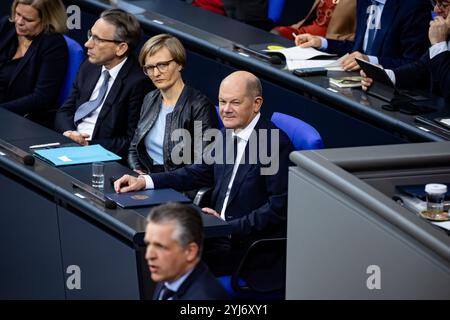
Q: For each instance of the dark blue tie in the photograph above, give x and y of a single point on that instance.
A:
(165, 293)
(372, 27)
(230, 159)
(86, 108)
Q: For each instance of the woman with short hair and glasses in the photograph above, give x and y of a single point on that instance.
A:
(157, 145)
(33, 57)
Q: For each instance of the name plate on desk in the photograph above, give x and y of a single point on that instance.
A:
(147, 198)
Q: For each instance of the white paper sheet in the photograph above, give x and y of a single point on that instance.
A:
(298, 53)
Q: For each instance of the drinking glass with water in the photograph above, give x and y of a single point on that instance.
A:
(98, 175)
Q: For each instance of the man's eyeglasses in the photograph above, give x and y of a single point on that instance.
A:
(161, 66)
(98, 40)
(441, 4)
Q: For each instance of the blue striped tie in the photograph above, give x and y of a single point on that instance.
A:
(86, 108)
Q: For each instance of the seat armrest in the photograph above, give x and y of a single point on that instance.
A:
(202, 197)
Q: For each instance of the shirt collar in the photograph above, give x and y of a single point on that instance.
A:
(245, 133)
(114, 71)
(176, 284)
(383, 2)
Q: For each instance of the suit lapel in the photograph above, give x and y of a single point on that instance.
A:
(243, 168)
(110, 100)
(90, 82)
(199, 268)
(8, 38)
(30, 53)
(361, 25)
(239, 178)
(388, 15)
(157, 290)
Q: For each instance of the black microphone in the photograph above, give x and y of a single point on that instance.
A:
(273, 59)
(110, 204)
(26, 158)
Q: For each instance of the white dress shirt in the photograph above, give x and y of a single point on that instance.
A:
(244, 136)
(87, 125)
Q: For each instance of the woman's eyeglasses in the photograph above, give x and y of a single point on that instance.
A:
(161, 66)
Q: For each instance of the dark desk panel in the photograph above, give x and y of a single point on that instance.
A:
(30, 253)
(47, 228)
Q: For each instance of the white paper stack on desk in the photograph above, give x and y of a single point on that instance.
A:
(297, 57)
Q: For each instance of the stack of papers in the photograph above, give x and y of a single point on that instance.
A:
(76, 155)
(346, 82)
(297, 57)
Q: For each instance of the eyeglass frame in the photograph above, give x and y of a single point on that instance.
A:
(98, 40)
(438, 3)
(164, 64)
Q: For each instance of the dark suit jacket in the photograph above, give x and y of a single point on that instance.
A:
(256, 209)
(38, 79)
(440, 73)
(403, 36)
(426, 74)
(257, 204)
(199, 285)
(119, 115)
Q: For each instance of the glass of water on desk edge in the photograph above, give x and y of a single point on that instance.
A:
(98, 175)
(435, 197)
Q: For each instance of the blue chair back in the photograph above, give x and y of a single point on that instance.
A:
(303, 136)
(76, 57)
(275, 10)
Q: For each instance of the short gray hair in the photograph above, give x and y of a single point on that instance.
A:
(188, 221)
(254, 87)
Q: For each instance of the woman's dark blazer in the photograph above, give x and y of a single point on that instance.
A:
(39, 76)
(192, 106)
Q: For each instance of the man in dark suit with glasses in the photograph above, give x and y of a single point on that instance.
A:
(104, 104)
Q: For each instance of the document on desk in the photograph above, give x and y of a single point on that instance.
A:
(444, 224)
(147, 198)
(297, 57)
(76, 155)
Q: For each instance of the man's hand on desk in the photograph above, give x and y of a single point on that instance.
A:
(129, 183)
(439, 29)
(306, 40)
(366, 82)
(77, 137)
(350, 64)
(211, 212)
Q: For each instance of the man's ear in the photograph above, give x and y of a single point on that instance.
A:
(191, 251)
(122, 49)
(257, 104)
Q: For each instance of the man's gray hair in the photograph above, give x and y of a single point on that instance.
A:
(189, 223)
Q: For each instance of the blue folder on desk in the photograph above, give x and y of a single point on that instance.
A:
(147, 198)
(76, 155)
